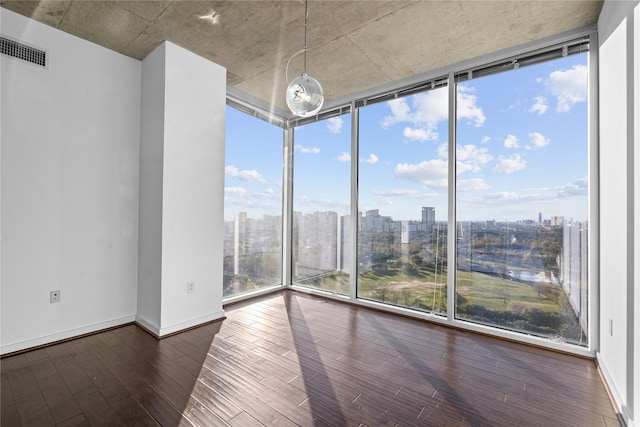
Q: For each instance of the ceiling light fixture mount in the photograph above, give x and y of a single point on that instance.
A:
(304, 94)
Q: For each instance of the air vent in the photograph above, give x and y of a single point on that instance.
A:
(24, 52)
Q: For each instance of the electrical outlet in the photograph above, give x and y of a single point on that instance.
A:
(54, 296)
(191, 287)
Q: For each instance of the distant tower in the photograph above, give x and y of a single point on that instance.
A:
(540, 218)
(404, 232)
(239, 240)
(428, 218)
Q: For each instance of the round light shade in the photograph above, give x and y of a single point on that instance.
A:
(304, 96)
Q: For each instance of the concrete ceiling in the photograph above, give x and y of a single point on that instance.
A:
(353, 46)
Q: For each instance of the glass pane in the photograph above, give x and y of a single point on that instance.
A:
(403, 180)
(252, 204)
(522, 200)
(321, 204)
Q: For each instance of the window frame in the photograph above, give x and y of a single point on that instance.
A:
(574, 41)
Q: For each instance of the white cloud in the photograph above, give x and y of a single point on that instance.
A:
(307, 150)
(400, 112)
(467, 107)
(421, 134)
(426, 196)
(344, 157)
(509, 164)
(372, 159)
(235, 191)
(268, 193)
(325, 203)
(538, 139)
(471, 184)
(568, 86)
(334, 124)
(471, 158)
(245, 175)
(511, 141)
(503, 197)
(432, 173)
(486, 139)
(540, 106)
(468, 157)
(536, 195)
(431, 107)
(426, 111)
(443, 150)
(577, 188)
(527, 200)
(462, 167)
(402, 192)
(471, 152)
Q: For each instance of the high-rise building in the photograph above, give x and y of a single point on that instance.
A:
(428, 218)
(374, 222)
(317, 241)
(574, 267)
(239, 241)
(344, 237)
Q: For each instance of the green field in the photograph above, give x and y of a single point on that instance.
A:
(495, 293)
(539, 309)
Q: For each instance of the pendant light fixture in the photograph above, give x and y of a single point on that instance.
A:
(304, 93)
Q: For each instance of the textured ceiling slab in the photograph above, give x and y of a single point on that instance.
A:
(353, 45)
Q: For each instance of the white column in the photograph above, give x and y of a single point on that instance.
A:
(181, 190)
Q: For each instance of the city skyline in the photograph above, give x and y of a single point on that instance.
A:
(512, 150)
(539, 218)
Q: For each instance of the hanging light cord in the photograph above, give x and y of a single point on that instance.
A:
(286, 71)
(304, 50)
(306, 17)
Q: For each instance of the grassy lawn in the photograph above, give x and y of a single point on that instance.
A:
(481, 297)
(495, 293)
(337, 282)
(419, 286)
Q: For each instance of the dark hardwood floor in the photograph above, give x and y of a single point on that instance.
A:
(291, 359)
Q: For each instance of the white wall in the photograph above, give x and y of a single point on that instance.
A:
(182, 167)
(70, 155)
(618, 71)
(151, 152)
(636, 281)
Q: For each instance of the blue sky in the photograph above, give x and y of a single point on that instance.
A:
(521, 149)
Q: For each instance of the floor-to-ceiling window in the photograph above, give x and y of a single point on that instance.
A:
(402, 201)
(252, 204)
(493, 184)
(521, 230)
(321, 204)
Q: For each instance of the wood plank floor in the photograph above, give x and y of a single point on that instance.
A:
(290, 359)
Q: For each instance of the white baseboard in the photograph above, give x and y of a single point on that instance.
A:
(61, 336)
(96, 327)
(191, 323)
(148, 325)
(615, 392)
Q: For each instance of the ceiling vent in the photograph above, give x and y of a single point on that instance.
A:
(23, 52)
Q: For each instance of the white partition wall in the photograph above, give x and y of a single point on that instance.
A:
(70, 154)
(112, 188)
(181, 190)
(619, 120)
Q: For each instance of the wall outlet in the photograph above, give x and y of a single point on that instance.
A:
(191, 287)
(54, 296)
